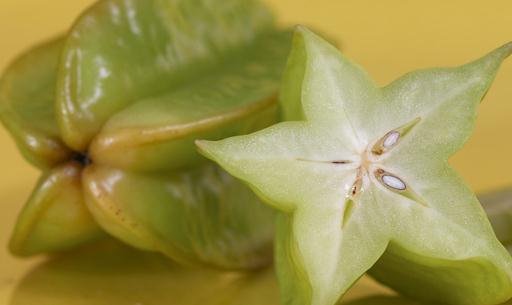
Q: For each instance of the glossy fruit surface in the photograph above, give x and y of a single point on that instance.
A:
(110, 111)
(361, 178)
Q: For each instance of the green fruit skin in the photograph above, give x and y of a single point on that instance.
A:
(498, 206)
(123, 95)
(175, 41)
(26, 99)
(204, 214)
(158, 134)
(409, 274)
(56, 203)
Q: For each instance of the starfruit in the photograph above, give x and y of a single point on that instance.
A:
(361, 178)
(109, 113)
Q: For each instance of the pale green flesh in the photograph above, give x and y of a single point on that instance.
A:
(124, 51)
(437, 223)
(55, 217)
(144, 79)
(202, 215)
(27, 105)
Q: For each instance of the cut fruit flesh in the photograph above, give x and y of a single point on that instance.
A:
(376, 181)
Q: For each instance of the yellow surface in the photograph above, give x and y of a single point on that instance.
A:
(387, 37)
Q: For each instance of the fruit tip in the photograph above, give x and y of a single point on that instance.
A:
(16, 248)
(301, 29)
(199, 143)
(204, 148)
(504, 51)
(202, 145)
(508, 48)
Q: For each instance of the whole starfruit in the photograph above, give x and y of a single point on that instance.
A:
(110, 111)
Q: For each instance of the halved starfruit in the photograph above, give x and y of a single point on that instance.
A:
(362, 182)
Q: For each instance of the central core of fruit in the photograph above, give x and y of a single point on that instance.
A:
(368, 168)
(368, 164)
(82, 158)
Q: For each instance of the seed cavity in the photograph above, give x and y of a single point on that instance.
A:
(390, 181)
(356, 187)
(394, 182)
(397, 185)
(391, 139)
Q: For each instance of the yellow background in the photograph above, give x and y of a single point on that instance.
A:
(387, 37)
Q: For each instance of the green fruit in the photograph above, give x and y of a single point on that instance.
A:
(361, 178)
(54, 217)
(384, 300)
(498, 206)
(110, 113)
(202, 214)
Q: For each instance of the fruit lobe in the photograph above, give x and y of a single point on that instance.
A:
(123, 96)
(26, 96)
(203, 213)
(55, 217)
(120, 52)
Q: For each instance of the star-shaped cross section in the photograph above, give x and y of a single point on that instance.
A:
(361, 177)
